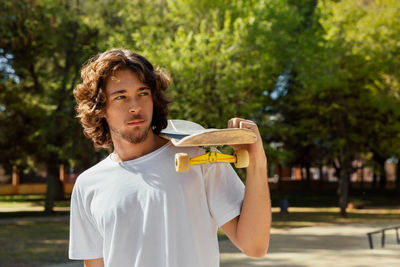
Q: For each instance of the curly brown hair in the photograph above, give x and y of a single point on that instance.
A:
(91, 98)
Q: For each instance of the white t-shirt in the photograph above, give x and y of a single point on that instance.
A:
(142, 213)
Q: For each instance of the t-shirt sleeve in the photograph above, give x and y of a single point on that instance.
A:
(225, 192)
(85, 241)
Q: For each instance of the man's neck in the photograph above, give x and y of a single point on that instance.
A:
(125, 150)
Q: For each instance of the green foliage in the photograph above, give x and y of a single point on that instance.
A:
(322, 77)
(48, 42)
(341, 83)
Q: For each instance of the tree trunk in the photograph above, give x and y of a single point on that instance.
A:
(308, 177)
(301, 173)
(321, 177)
(343, 189)
(362, 177)
(382, 178)
(49, 203)
(279, 176)
(374, 180)
(55, 190)
(398, 176)
(308, 174)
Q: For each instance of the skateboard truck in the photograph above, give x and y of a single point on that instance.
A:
(189, 134)
(240, 158)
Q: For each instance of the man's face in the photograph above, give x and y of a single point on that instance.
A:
(129, 107)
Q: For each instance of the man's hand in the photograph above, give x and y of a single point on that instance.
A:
(256, 150)
(250, 231)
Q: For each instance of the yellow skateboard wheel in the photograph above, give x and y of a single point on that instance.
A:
(182, 162)
(242, 158)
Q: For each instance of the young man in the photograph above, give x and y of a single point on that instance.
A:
(133, 208)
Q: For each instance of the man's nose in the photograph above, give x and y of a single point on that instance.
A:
(134, 107)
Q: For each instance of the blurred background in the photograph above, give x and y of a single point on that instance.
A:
(320, 78)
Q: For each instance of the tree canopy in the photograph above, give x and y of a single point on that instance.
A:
(321, 77)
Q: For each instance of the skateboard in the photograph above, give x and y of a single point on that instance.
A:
(189, 134)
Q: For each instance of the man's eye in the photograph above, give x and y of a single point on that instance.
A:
(144, 93)
(120, 97)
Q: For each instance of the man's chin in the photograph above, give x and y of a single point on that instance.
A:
(133, 136)
(136, 138)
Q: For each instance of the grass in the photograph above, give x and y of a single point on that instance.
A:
(302, 217)
(29, 200)
(20, 198)
(30, 243)
(29, 205)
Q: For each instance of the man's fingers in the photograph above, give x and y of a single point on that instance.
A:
(241, 123)
(233, 123)
(247, 124)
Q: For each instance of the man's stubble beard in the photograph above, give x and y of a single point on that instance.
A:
(133, 138)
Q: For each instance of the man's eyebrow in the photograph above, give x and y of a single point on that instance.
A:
(118, 92)
(123, 91)
(144, 88)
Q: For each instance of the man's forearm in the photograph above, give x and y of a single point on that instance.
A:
(251, 229)
(254, 223)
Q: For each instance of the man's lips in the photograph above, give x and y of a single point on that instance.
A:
(135, 122)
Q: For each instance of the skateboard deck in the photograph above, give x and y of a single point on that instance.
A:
(188, 134)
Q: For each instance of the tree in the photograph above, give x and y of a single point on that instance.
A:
(346, 91)
(369, 29)
(314, 75)
(331, 97)
(46, 43)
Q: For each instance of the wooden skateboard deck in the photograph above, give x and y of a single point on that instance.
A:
(186, 133)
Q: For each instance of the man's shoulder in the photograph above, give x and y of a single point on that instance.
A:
(94, 171)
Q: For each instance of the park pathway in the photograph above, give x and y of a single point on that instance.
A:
(333, 246)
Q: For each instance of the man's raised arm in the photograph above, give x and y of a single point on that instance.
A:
(250, 231)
